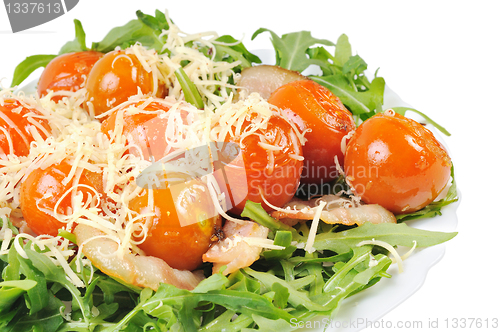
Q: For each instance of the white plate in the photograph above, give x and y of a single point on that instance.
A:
(364, 309)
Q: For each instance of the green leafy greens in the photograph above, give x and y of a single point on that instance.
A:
(283, 287)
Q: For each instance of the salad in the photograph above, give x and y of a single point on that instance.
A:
(160, 180)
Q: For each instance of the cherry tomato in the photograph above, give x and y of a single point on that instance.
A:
(67, 72)
(185, 223)
(43, 188)
(314, 108)
(145, 129)
(14, 121)
(396, 162)
(116, 77)
(245, 174)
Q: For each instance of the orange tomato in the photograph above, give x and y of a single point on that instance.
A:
(67, 72)
(184, 225)
(257, 170)
(313, 107)
(43, 188)
(116, 77)
(144, 129)
(396, 162)
(16, 127)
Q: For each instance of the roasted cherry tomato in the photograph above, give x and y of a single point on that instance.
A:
(43, 188)
(185, 222)
(145, 129)
(314, 108)
(396, 162)
(254, 170)
(67, 72)
(15, 121)
(116, 77)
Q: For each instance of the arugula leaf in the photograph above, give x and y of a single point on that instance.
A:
(234, 52)
(78, 44)
(14, 230)
(357, 102)
(29, 65)
(191, 93)
(129, 34)
(48, 319)
(158, 22)
(270, 325)
(394, 234)
(226, 322)
(256, 212)
(55, 274)
(403, 110)
(343, 50)
(291, 48)
(37, 297)
(10, 291)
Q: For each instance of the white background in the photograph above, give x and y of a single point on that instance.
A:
(441, 57)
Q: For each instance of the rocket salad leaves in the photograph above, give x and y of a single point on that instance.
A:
(284, 286)
(276, 290)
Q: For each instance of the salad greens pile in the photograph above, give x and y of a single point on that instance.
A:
(282, 287)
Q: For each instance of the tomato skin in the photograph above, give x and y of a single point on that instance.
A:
(145, 129)
(311, 106)
(249, 173)
(396, 162)
(184, 226)
(67, 72)
(20, 135)
(114, 78)
(43, 188)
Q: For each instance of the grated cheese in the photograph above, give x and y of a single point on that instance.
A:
(314, 227)
(387, 246)
(75, 136)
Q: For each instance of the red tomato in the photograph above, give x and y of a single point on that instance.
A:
(14, 121)
(144, 129)
(67, 72)
(311, 106)
(257, 169)
(185, 223)
(43, 188)
(116, 77)
(396, 162)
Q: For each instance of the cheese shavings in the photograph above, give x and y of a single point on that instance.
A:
(209, 76)
(387, 246)
(314, 228)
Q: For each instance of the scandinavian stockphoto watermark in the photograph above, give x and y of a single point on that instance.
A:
(26, 14)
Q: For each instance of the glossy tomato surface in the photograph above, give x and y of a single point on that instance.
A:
(67, 72)
(314, 108)
(145, 129)
(15, 121)
(43, 188)
(184, 225)
(114, 78)
(256, 170)
(396, 162)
